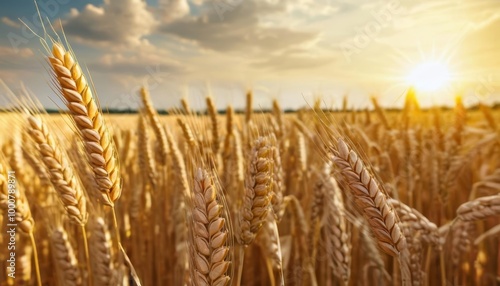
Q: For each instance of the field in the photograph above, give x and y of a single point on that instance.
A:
(316, 197)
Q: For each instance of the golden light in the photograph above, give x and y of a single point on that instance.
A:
(429, 76)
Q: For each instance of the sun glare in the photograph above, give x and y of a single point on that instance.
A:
(429, 76)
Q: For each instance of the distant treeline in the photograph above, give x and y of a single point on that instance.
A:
(166, 112)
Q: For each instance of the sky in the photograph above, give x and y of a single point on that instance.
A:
(292, 50)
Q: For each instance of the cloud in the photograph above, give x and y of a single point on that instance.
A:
(10, 53)
(118, 65)
(15, 64)
(7, 21)
(293, 60)
(238, 28)
(171, 10)
(481, 46)
(118, 23)
(137, 63)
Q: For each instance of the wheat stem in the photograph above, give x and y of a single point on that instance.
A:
(87, 255)
(35, 257)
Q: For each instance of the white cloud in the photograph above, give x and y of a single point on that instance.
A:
(10, 53)
(171, 10)
(137, 63)
(118, 23)
(7, 21)
(238, 28)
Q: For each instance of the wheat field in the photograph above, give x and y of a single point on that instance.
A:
(315, 197)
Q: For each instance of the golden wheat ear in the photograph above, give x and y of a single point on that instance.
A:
(208, 245)
(89, 121)
(257, 200)
(154, 119)
(64, 258)
(61, 174)
(371, 200)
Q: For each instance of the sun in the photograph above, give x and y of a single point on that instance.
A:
(429, 76)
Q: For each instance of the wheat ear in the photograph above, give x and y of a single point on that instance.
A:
(380, 113)
(208, 245)
(155, 123)
(249, 106)
(179, 162)
(101, 251)
(4, 191)
(278, 182)
(257, 198)
(372, 202)
(10, 194)
(61, 174)
(65, 182)
(416, 221)
(229, 130)
(89, 121)
(188, 134)
(338, 244)
(38, 167)
(212, 112)
(185, 106)
(64, 258)
(146, 160)
(479, 208)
